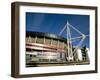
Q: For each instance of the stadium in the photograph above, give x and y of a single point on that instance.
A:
(50, 49)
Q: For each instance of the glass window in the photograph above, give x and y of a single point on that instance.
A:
(54, 42)
(61, 44)
(43, 60)
(33, 39)
(47, 41)
(40, 40)
(53, 60)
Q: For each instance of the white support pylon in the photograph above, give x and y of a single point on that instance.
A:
(69, 39)
(69, 43)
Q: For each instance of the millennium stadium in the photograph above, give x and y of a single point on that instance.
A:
(46, 49)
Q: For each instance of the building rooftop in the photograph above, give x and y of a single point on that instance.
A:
(46, 35)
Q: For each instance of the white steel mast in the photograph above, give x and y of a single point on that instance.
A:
(66, 28)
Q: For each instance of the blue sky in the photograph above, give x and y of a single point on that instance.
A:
(53, 23)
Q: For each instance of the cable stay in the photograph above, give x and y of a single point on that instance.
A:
(70, 40)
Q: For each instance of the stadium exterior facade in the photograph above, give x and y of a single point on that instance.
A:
(50, 48)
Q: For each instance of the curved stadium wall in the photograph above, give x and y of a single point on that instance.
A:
(47, 48)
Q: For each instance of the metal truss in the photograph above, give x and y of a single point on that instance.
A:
(70, 40)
